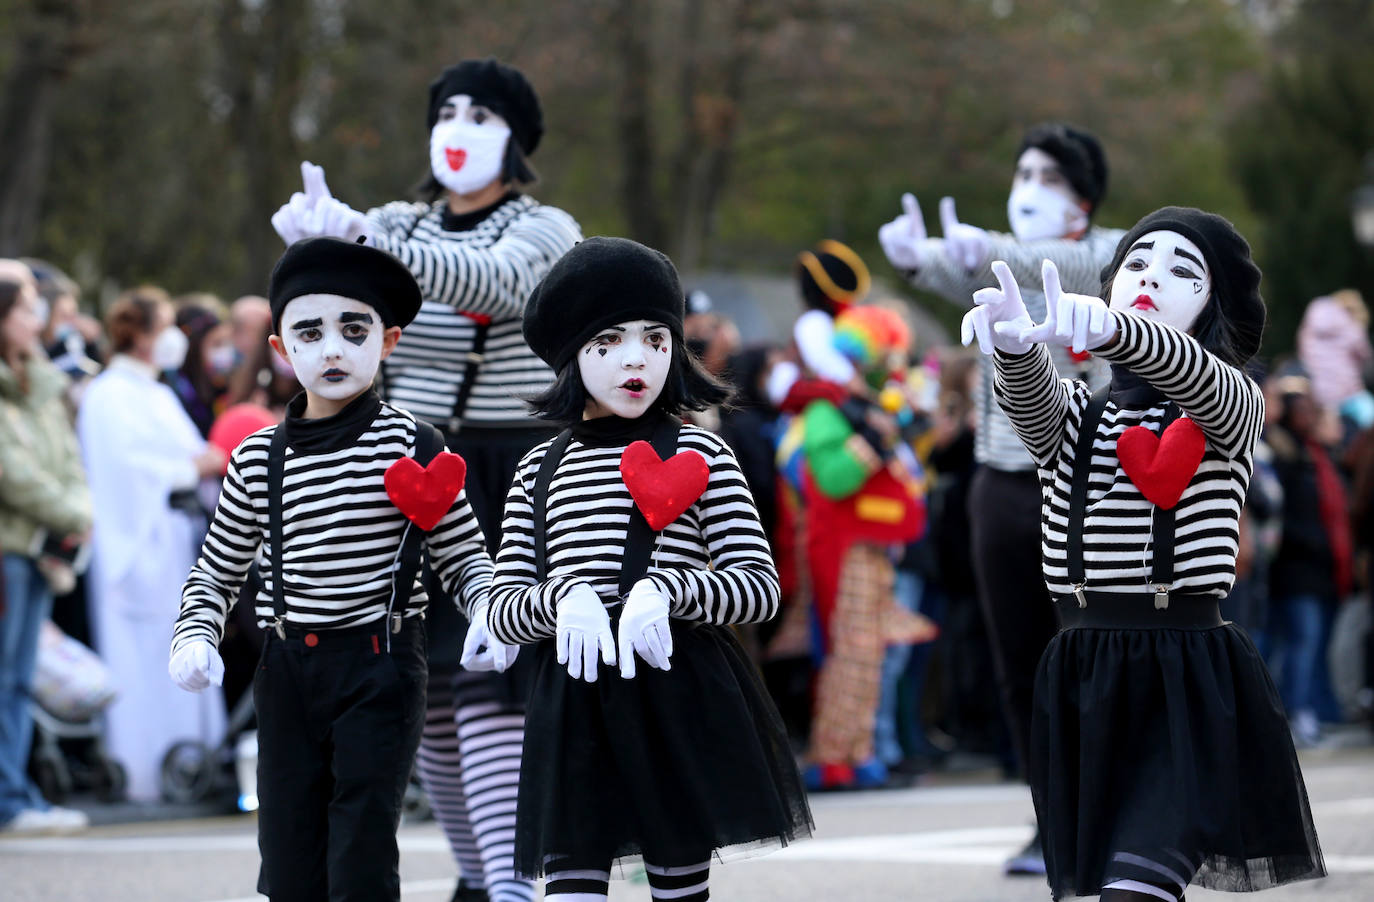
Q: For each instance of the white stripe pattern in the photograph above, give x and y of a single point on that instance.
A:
(1117, 550)
(341, 534)
(488, 270)
(713, 562)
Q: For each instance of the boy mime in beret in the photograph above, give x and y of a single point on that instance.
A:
(339, 502)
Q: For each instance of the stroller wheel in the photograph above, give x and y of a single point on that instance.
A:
(52, 776)
(188, 772)
(111, 780)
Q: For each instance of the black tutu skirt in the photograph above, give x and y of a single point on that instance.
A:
(1164, 752)
(679, 766)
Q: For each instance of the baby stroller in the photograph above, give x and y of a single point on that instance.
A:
(71, 686)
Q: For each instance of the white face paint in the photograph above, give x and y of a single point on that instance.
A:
(1164, 277)
(467, 145)
(1042, 203)
(335, 344)
(624, 368)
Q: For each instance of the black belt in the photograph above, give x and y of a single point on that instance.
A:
(1138, 611)
(1162, 560)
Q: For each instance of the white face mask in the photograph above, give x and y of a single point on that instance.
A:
(335, 344)
(169, 348)
(625, 366)
(1164, 277)
(466, 152)
(1042, 204)
(221, 359)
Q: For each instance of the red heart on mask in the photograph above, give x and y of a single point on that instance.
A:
(456, 158)
(425, 494)
(663, 489)
(1162, 467)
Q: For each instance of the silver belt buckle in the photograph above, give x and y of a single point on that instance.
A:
(1161, 596)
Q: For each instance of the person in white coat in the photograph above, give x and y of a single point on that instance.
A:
(144, 460)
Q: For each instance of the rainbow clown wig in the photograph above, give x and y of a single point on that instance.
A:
(871, 336)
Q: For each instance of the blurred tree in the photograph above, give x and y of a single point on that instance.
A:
(1301, 150)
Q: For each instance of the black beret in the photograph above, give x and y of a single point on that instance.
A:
(498, 87)
(601, 282)
(1079, 155)
(1232, 323)
(356, 271)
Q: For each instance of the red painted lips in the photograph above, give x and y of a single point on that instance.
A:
(456, 158)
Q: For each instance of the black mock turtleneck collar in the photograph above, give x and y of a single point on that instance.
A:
(463, 222)
(329, 433)
(609, 431)
(1132, 392)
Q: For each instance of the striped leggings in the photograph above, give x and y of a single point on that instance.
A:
(566, 882)
(471, 774)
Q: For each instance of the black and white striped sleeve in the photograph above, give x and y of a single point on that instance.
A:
(490, 281)
(742, 584)
(228, 552)
(523, 610)
(459, 556)
(1222, 400)
(1035, 400)
(394, 221)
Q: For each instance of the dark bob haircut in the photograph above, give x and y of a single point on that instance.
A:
(689, 387)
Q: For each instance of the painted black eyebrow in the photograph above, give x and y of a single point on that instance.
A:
(1182, 253)
(347, 317)
(308, 324)
(1146, 245)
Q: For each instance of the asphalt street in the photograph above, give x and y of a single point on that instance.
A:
(942, 841)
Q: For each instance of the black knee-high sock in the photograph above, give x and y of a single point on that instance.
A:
(565, 881)
(680, 884)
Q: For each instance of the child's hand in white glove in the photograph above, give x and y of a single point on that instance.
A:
(644, 629)
(965, 245)
(903, 239)
(998, 317)
(481, 651)
(196, 666)
(1079, 321)
(584, 629)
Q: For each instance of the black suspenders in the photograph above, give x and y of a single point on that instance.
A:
(1162, 563)
(639, 540)
(428, 444)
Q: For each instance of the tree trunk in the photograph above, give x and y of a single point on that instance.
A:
(639, 153)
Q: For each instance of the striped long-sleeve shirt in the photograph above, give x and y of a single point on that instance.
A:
(1080, 265)
(487, 270)
(341, 536)
(712, 562)
(1225, 403)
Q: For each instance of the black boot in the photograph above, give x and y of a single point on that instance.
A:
(1030, 861)
(466, 892)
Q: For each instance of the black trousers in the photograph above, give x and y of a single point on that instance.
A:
(339, 720)
(1004, 511)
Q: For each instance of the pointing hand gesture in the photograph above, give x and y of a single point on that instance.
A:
(903, 238)
(1080, 321)
(965, 245)
(998, 317)
(316, 212)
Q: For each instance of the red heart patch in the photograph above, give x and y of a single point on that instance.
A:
(425, 494)
(456, 158)
(663, 489)
(1162, 467)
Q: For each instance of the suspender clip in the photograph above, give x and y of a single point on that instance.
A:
(396, 622)
(280, 627)
(454, 424)
(1161, 596)
(1080, 595)
(474, 358)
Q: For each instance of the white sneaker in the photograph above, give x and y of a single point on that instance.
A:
(28, 822)
(66, 820)
(1307, 730)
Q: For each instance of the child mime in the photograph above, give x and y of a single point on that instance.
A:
(340, 498)
(1160, 754)
(632, 540)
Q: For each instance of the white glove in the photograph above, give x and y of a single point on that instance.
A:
(903, 239)
(584, 628)
(1080, 321)
(965, 245)
(196, 666)
(481, 651)
(644, 629)
(998, 317)
(338, 219)
(297, 219)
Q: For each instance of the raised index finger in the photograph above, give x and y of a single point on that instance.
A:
(1002, 271)
(313, 178)
(1049, 273)
(913, 212)
(948, 218)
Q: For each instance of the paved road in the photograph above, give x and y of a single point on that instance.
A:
(939, 842)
